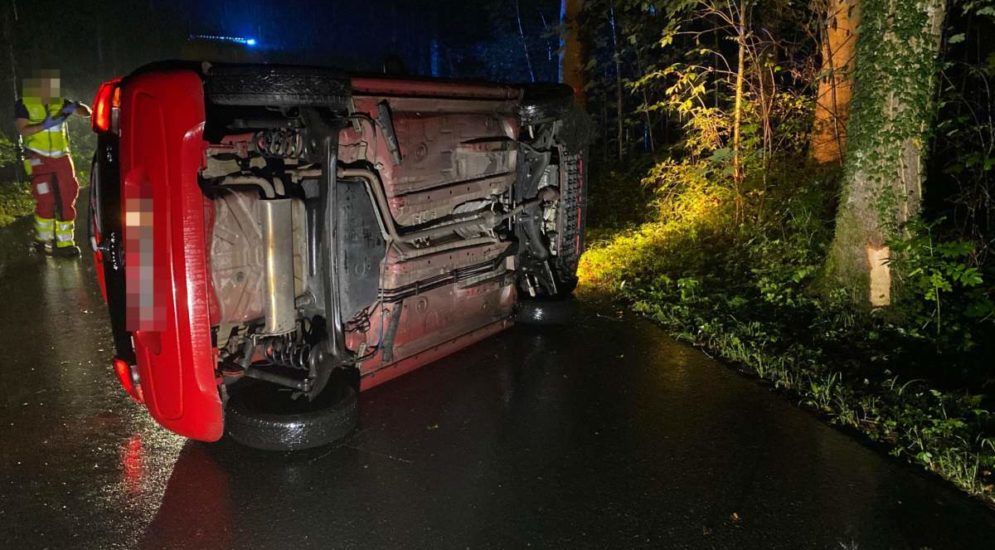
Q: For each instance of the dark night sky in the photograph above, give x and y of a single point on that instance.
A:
(360, 33)
(95, 40)
(116, 35)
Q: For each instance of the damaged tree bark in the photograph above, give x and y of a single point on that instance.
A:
(894, 79)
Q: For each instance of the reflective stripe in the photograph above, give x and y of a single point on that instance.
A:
(44, 228)
(64, 233)
(47, 153)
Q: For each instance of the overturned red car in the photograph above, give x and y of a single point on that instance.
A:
(271, 240)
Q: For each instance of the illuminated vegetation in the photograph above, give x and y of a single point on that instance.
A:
(731, 252)
(15, 199)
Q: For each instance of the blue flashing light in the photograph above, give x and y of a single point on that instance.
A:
(221, 38)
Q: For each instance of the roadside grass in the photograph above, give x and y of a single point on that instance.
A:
(746, 296)
(15, 202)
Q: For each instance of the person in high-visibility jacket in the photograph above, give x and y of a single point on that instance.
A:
(40, 116)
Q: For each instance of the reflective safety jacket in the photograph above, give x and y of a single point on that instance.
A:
(53, 142)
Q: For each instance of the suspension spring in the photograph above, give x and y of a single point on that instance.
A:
(284, 353)
(282, 143)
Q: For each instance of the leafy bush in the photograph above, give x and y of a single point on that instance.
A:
(731, 264)
(15, 201)
(731, 251)
(746, 296)
(949, 304)
(8, 151)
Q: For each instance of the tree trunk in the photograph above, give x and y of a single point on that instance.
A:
(737, 162)
(572, 51)
(832, 102)
(646, 103)
(619, 107)
(8, 37)
(9, 20)
(894, 81)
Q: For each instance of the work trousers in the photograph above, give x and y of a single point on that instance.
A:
(55, 189)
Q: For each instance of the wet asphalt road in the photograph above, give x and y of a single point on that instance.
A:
(604, 435)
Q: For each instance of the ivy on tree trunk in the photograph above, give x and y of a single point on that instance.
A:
(895, 75)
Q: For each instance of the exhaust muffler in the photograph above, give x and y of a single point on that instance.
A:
(278, 237)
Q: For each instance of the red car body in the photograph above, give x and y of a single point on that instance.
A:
(163, 207)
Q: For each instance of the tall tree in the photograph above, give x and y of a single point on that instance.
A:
(619, 96)
(740, 13)
(895, 76)
(572, 57)
(832, 102)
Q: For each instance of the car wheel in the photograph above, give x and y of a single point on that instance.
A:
(544, 103)
(265, 416)
(277, 86)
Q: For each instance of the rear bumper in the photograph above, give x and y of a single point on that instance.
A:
(155, 229)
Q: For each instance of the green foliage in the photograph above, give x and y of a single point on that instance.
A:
(744, 292)
(15, 201)
(733, 265)
(8, 151)
(745, 296)
(699, 89)
(949, 302)
(963, 171)
(892, 109)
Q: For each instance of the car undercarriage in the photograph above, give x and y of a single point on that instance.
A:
(363, 225)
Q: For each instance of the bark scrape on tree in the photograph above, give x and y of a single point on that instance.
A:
(895, 75)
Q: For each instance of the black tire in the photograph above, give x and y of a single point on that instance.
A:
(263, 416)
(277, 86)
(545, 311)
(544, 103)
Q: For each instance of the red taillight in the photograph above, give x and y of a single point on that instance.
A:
(128, 376)
(108, 98)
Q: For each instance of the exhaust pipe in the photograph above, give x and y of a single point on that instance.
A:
(278, 236)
